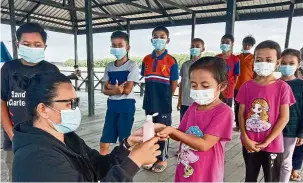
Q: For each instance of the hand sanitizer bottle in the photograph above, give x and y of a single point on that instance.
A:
(149, 127)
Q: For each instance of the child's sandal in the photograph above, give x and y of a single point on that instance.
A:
(158, 168)
(147, 167)
(295, 177)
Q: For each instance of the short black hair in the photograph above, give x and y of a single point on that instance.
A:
(215, 65)
(228, 36)
(292, 52)
(120, 34)
(271, 45)
(249, 40)
(198, 40)
(47, 83)
(161, 28)
(31, 28)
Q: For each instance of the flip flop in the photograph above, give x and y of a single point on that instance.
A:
(146, 167)
(236, 129)
(296, 177)
(158, 168)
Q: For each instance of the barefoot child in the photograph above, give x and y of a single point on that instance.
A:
(206, 126)
(293, 132)
(263, 114)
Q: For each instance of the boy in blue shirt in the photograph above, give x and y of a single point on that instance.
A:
(120, 77)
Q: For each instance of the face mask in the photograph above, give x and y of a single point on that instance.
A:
(119, 53)
(225, 47)
(195, 52)
(264, 68)
(203, 97)
(31, 55)
(70, 120)
(287, 70)
(159, 44)
(245, 51)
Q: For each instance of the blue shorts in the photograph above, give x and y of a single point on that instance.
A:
(117, 125)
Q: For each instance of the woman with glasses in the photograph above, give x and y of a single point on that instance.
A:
(47, 149)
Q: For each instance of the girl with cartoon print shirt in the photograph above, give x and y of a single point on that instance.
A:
(263, 114)
(205, 127)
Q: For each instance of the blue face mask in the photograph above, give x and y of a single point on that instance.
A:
(195, 52)
(119, 53)
(287, 70)
(70, 120)
(159, 44)
(31, 55)
(225, 47)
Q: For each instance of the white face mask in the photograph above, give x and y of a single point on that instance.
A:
(264, 68)
(70, 120)
(203, 97)
(245, 51)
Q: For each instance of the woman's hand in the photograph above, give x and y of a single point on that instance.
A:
(250, 145)
(137, 136)
(145, 153)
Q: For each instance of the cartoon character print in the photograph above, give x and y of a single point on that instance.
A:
(258, 117)
(272, 161)
(187, 155)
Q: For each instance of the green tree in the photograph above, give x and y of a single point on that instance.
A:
(180, 58)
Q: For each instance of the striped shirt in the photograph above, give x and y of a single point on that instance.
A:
(159, 72)
(127, 72)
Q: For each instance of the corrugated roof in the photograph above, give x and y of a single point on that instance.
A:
(109, 15)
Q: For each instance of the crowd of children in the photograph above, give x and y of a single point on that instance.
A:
(268, 110)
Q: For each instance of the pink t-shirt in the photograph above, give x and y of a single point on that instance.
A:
(262, 109)
(208, 166)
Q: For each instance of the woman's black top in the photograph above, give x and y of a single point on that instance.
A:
(40, 157)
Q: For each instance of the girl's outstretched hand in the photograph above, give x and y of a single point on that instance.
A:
(166, 132)
(137, 136)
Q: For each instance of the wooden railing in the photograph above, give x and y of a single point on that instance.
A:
(83, 81)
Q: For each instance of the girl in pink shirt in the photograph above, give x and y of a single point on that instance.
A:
(205, 127)
(263, 114)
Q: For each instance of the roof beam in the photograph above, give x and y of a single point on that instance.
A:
(202, 11)
(245, 17)
(139, 6)
(148, 3)
(113, 3)
(69, 8)
(171, 8)
(30, 12)
(164, 11)
(38, 18)
(25, 12)
(107, 12)
(73, 16)
(178, 6)
(55, 29)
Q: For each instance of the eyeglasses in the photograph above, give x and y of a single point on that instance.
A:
(74, 102)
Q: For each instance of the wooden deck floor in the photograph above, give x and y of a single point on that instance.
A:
(91, 129)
